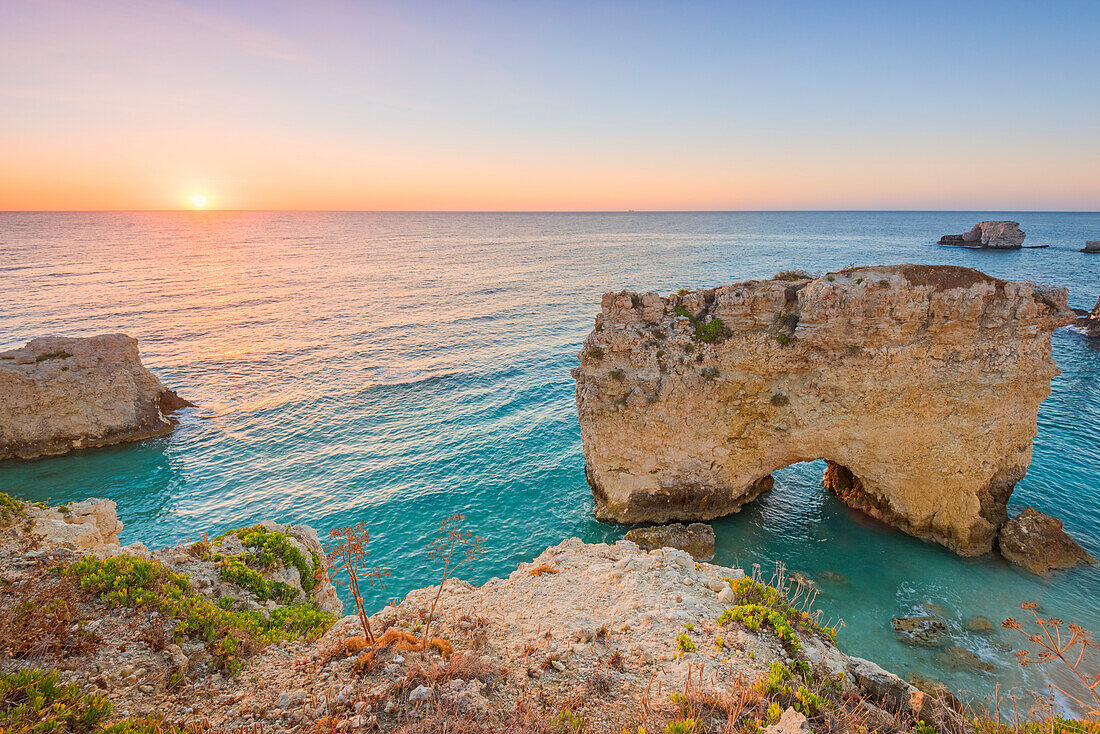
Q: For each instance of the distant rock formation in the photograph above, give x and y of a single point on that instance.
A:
(1092, 246)
(1091, 322)
(59, 394)
(696, 539)
(995, 235)
(1038, 543)
(919, 384)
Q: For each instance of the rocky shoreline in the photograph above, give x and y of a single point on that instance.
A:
(608, 635)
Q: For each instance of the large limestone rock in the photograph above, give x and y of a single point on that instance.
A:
(996, 235)
(1038, 543)
(58, 394)
(919, 384)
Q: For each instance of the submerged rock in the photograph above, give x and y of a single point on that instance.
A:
(920, 385)
(958, 658)
(59, 394)
(1037, 542)
(979, 623)
(922, 630)
(696, 538)
(996, 235)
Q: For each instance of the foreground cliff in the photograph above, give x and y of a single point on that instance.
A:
(593, 638)
(919, 385)
(58, 394)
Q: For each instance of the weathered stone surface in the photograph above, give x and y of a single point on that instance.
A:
(696, 538)
(791, 722)
(919, 384)
(58, 394)
(1092, 246)
(1038, 543)
(997, 235)
(79, 526)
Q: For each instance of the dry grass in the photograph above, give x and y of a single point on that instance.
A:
(544, 568)
(392, 639)
(39, 616)
(523, 718)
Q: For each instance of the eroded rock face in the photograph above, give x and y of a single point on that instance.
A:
(1038, 543)
(997, 235)
(58, 394)
(1091, 323)
(696, 539)
(919, 384)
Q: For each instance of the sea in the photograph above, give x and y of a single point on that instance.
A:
(397, 368)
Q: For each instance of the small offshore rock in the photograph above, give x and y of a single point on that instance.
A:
(1037, 542)
(697, 539)
(1092, 246)
(996, 235)
(922, 630)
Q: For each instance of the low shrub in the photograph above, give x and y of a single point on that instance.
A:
(33, 700)
(59, 354)
(779, 399)
(135, 582)
(792, 275)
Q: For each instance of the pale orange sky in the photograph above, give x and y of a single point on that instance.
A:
(141, 105)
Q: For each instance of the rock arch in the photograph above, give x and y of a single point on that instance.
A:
(920, 385)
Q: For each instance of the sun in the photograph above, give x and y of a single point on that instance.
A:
(199, 201)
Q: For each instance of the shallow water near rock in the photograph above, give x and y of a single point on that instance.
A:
(397, 368)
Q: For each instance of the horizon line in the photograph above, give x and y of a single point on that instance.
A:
(537, 211)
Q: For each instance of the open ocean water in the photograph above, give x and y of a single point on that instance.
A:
(397, 368)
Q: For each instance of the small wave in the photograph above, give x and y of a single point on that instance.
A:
(404, 376)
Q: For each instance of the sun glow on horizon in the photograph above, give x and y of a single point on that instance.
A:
(199, 201)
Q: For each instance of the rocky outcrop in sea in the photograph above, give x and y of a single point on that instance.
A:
(919, 385)
(1037, 542)
(60, 394)
(994, 235)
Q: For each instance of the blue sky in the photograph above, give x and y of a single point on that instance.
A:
(550, 105)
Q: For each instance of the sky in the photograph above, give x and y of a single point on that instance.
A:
(559, 105)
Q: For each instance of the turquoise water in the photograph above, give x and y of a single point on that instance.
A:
(397, 368)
